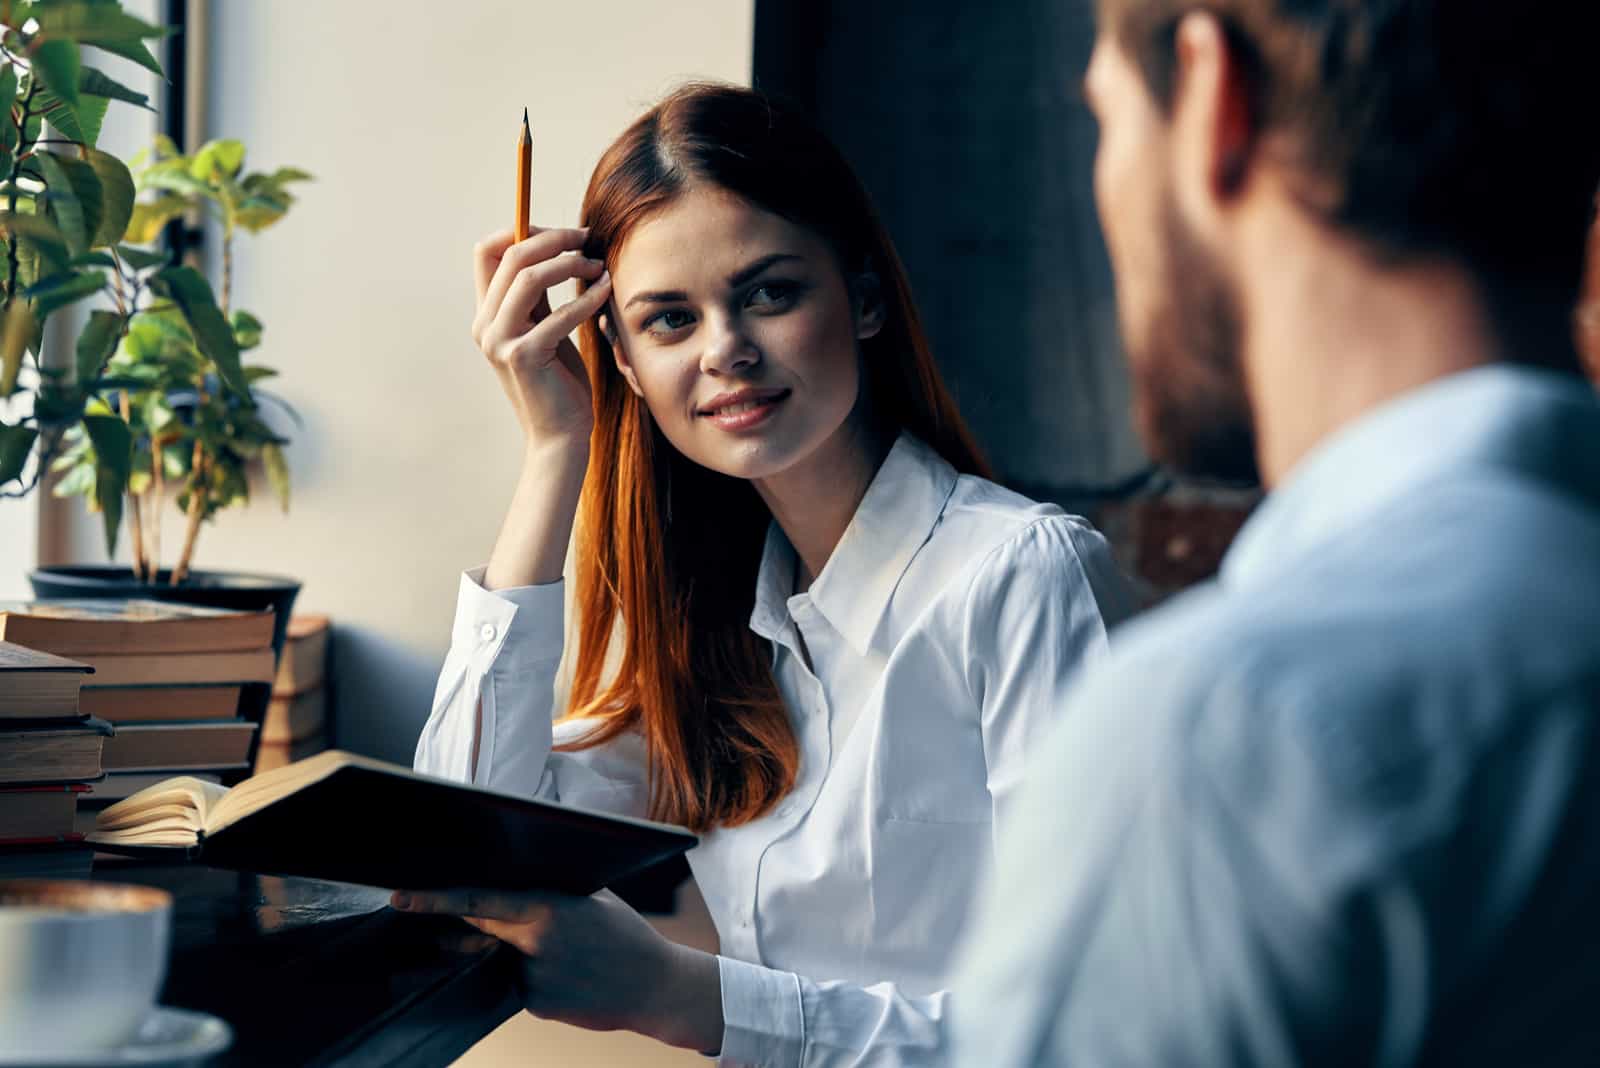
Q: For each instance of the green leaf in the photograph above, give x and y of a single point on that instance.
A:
(92, 82)
(134, 51)
(256, 374)
(94, 23)
(93, 259)
(142, 258)
(75, 198)
(91, 114)
(16, 442)
(56, 64)
(177, 181)
(96, 343)
(247, 332)
(8, 86)
(176, 457)
(116, 197)
(217, 160)
(157, 413)
(59, 290)
(150, 217)
(189, 289)
(113, 449)
(40, 234)
(14, 336)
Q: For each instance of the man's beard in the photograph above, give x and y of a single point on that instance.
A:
(1194, 411)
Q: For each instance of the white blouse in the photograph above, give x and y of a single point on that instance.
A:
(941, 634)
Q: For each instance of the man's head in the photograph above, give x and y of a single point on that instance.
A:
(1418, 132)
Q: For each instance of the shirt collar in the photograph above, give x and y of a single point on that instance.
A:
(893, 521)
(1502, 415)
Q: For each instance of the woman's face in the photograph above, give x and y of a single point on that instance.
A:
(740, 332)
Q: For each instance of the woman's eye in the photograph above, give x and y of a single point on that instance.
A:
(667, 322)
(772, 295)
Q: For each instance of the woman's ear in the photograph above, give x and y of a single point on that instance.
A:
(870, 312)
(624, 365)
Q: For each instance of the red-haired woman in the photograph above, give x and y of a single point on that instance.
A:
(807, 628)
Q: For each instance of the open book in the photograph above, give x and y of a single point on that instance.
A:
(350, 819)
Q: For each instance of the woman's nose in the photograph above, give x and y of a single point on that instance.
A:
(728, 348)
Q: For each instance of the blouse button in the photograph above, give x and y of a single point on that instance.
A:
(487, 632)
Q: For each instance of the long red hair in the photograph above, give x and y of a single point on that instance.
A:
(671, 549)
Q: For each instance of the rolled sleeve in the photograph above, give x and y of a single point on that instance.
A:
(505, 646)
(763, 1022)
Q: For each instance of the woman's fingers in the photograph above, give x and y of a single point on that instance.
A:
(565, 319)
(526, 302)
(537, 345)
(542, 245)
(486, 256)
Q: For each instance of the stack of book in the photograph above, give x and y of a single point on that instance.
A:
(49, 752)
(168, 677)
(297, 719)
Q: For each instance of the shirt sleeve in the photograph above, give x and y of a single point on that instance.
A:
(1249, 872)
(505, 646)
(776, 1019)
(1040, 608)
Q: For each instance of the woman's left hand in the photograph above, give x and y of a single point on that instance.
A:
(594, 962)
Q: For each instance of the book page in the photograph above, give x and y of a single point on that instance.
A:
(172, 812)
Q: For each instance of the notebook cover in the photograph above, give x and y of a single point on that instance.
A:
(376, 828)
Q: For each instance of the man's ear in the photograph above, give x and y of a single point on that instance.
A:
(1215, 123)
(869, 307)
(624, 365)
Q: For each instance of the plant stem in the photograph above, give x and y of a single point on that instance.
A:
(141, 564)
(197, 507)
(11, 200)
(227, 270)
(158, 496)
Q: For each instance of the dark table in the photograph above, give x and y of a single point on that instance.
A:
(309, 972)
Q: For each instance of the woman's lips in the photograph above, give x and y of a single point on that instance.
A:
(747, 413)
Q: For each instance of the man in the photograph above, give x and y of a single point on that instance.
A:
(1341, 807)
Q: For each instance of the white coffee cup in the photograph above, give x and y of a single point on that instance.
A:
(81, 963)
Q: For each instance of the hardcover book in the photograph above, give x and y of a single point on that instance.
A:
(75, 627)
(52, 752)
(350, 819)
(37, 685)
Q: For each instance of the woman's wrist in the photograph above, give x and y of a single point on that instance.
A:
(532, 546)
(687, 1008)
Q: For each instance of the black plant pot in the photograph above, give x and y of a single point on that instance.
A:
(240, 591)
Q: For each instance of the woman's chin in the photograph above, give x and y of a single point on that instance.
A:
(751, 458)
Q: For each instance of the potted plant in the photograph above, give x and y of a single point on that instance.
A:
(154, 401)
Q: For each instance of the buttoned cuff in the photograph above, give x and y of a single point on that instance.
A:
(511, 627)
(763, 1025)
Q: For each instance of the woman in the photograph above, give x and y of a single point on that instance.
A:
(834, 642)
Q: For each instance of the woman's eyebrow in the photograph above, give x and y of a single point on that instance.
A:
(744, 274)
(737, 278)
(659, 296)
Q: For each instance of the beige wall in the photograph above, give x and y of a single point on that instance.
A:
(407, 113)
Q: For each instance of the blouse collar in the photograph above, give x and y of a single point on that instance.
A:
(893, 521)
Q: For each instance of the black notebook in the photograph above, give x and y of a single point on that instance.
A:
(351, 819)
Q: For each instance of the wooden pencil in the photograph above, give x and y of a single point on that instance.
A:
(524, 175)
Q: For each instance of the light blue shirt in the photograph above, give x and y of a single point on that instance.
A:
(1342, 806)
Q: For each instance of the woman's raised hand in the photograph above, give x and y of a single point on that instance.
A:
(527, 343)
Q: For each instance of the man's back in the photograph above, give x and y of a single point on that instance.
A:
(1338, 807)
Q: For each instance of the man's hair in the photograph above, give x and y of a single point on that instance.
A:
(1457, 129)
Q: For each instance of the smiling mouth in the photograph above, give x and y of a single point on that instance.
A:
(745, 406)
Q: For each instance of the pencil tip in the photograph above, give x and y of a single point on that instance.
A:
(524, 118)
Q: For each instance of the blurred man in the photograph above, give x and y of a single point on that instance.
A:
(1341, 807)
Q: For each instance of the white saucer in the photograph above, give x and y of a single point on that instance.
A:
(167, 1037)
